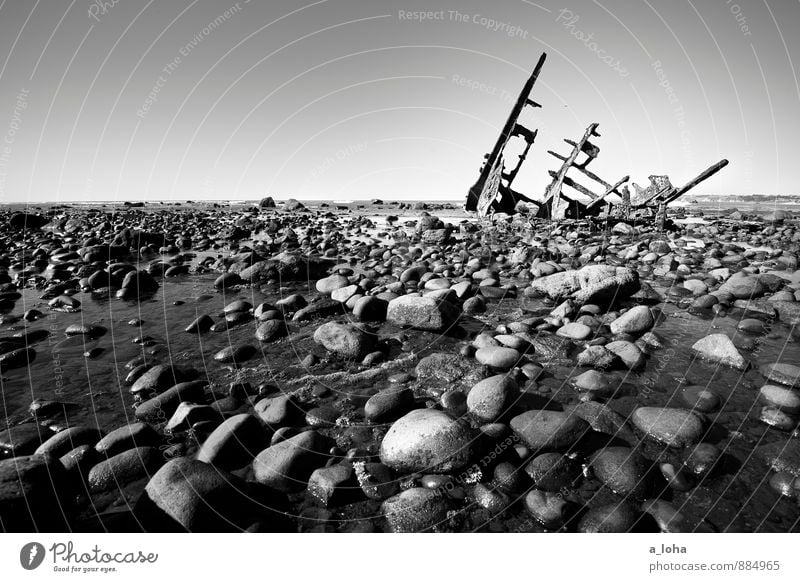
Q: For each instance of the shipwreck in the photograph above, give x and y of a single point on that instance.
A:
(568, 195)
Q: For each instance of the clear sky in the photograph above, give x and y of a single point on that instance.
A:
(348, 99)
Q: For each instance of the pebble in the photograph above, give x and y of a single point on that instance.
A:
(498, 357)
(781, 398)
(675, 427)
(622, 470)
(636, 320)
(549, 430)
(287, 465)
(491, 398)
(614, 518)
(415, 510)
(546, 507)
(720, 349)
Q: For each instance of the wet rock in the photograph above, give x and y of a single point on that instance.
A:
(552, 471)
(415, 510)
(389, 404)
(271, 330)
(574, 330)
(328, 285)
(742, 286)
(781, 398)
(622, 470)
(614, 518)
(127, 437)
(596, 357)
(675, 427)
(776, 418)
(444, 371)
(287, 465)
(422, 313)
(370, 308)
(344, 340)
(668, 518)
(235, 354)
(324, 308)
(428, 440)
(234, 443)
(200, 325)
(492, 397)
(594, 382)
(123, 468)
(702, 458)
(700, 398)
(161, 407)
(333, 485)
(782, 373)
(628, 352)
(34, 494)
(376, 480)
(65, 440)
(634, 321)
(187, 414)
(279, 411)
(591, 284)
(782, 456)
(227, 280)
(549, 430)
(498, 357)
(604, 420)
(720, 349)
(156, 379)
(196, 497)
(22, 439)
(547, 508)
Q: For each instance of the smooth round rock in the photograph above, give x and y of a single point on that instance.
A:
(700, 398)
(548, 429)
(415, 510)
(622, 470)
(428, 440)
(498, 357)
(781, 398)
(613, 518)
(675, 427)
(490, 398)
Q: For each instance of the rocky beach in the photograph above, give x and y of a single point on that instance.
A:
(397, 367)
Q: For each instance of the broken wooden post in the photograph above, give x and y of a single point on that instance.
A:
(492, 191)
(556, 204)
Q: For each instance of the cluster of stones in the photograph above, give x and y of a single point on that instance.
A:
(456, 439)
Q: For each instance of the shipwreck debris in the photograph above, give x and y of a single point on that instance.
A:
(492, 192)
(651, 202)
(557, 205)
